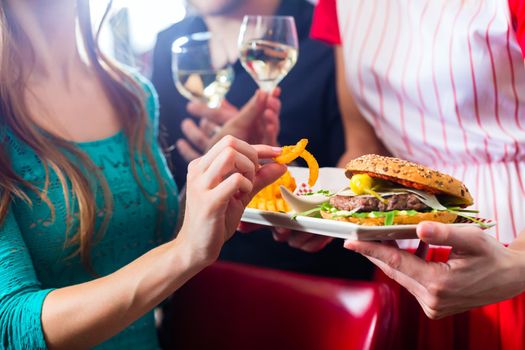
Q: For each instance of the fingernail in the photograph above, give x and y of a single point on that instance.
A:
(277, 149)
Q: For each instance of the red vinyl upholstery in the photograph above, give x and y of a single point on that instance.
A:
(234, 307)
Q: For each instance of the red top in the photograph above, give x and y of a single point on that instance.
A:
(517, 10)
(325, 26)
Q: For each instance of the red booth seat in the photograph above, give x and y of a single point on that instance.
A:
(231, 306)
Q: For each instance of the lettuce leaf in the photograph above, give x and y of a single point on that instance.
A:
(389, 218)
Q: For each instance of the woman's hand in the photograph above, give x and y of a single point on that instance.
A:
(480, 270)
(219, 186)
(256, 123)
(301, 240)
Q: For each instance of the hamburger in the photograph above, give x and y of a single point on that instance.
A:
(391, 191)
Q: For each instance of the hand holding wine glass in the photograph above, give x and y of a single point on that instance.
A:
(257, 122)
(268, 48)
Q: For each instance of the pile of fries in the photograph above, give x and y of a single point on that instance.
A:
(270, 198)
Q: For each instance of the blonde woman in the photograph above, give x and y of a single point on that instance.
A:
(86, 199)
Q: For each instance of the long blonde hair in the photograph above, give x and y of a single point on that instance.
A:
(126, 96)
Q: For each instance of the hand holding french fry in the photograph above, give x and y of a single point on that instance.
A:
(270, 197)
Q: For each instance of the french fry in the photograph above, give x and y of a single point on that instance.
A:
(290, 153)
(270, 204)
(313, 166)
(261, 203)
(270, 198)
(267, 192)
(275, 190)
(280, 205)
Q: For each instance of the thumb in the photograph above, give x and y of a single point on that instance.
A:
(469, 240)
(266, 175)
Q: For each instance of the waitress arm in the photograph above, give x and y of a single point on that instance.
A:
(360, 137)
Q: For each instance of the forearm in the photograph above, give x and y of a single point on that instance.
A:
(97, 310)
(360, 137)
(360, 141)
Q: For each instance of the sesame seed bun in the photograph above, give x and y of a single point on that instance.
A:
(440, 216)
(411, 175)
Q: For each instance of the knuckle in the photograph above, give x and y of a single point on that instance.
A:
(250, 171)
(252, 153)
(394, 261)
(238, 179)
(436, 290)
(481, 239)
(229, 140)
(366, 252)
(192, 165)
(445, 234)
(432, 314)
(433, 303)
(248, 185)
(229, 154)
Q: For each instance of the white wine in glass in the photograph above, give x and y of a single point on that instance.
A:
(268, 48)
(196, 76)
(206, 86)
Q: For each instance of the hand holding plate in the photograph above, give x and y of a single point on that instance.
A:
(480, 270)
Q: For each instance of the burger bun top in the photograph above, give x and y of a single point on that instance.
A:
(411, 175)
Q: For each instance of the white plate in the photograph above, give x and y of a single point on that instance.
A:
(334, 179)
(337, 229)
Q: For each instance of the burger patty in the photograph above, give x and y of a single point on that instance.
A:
(405, 201)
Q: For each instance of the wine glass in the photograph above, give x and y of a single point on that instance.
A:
(196, 73)
(268, 48)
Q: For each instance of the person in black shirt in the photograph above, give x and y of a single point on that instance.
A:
(309, 110)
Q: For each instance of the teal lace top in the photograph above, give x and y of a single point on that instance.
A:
(34, 259)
